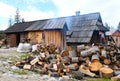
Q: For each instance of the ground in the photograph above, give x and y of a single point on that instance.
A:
(7, 70)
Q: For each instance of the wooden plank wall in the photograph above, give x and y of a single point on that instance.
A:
(36, 37)
(12, 40)
(53, 36)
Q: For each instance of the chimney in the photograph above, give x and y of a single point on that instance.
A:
(77, 13)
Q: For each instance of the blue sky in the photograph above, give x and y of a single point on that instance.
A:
(41, 9)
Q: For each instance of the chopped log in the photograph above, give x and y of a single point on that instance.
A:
(65, 60)
(95, 66)
(55, 67)
(67, 69)
(42, 55)
(40, 63)
(73, 66)
(94, 57)
(81, 47)
(115, 78)
(103, 54)
(89, 51)
(75, 59)
(117, 72)
(64, 53)
(106, 72)
(72, 53)
(27, 67)
(107, 61)
(86, 71)
(77, 74)
(45, 65)
(34, 61)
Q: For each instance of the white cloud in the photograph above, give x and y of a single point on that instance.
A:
(6, 10)
(36, 15)
(29, 15)
(109, 9)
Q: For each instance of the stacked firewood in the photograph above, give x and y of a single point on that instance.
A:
(85, 60)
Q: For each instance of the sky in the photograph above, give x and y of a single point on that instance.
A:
(32, 10)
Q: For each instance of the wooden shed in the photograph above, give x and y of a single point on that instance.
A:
(16, 33)
(116, 37)
(49, 31)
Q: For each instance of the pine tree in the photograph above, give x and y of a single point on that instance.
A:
(17, 16)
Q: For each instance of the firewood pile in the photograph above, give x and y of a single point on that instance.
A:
(85, 60)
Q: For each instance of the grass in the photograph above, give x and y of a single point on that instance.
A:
(98, 79)
(13, 59)
(20, 72)
(24, 56)
(18, 58)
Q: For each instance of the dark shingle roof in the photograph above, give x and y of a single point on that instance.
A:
(19, 27)
(80, 36)
(74, 23)
(56, 23)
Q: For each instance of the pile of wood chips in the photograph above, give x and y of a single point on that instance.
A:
(85, 60)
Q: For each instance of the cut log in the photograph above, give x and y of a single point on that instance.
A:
(81, 47)
(65, 60)
(89, 51)
(42, 55)
(34, 61)
(75, 59)
(27, 67)
(115, 78)
(55, 67)
(106, 72)
(72, 53)
(73, 66)
(86, 71)
(95, 66)
(67, 69)
(40, 63)
(45, 65)
(64, 53)
(103, 54)
(107, 61)
(117, 72)
(94, 57)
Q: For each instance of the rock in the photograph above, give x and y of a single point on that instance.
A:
(14, 67)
